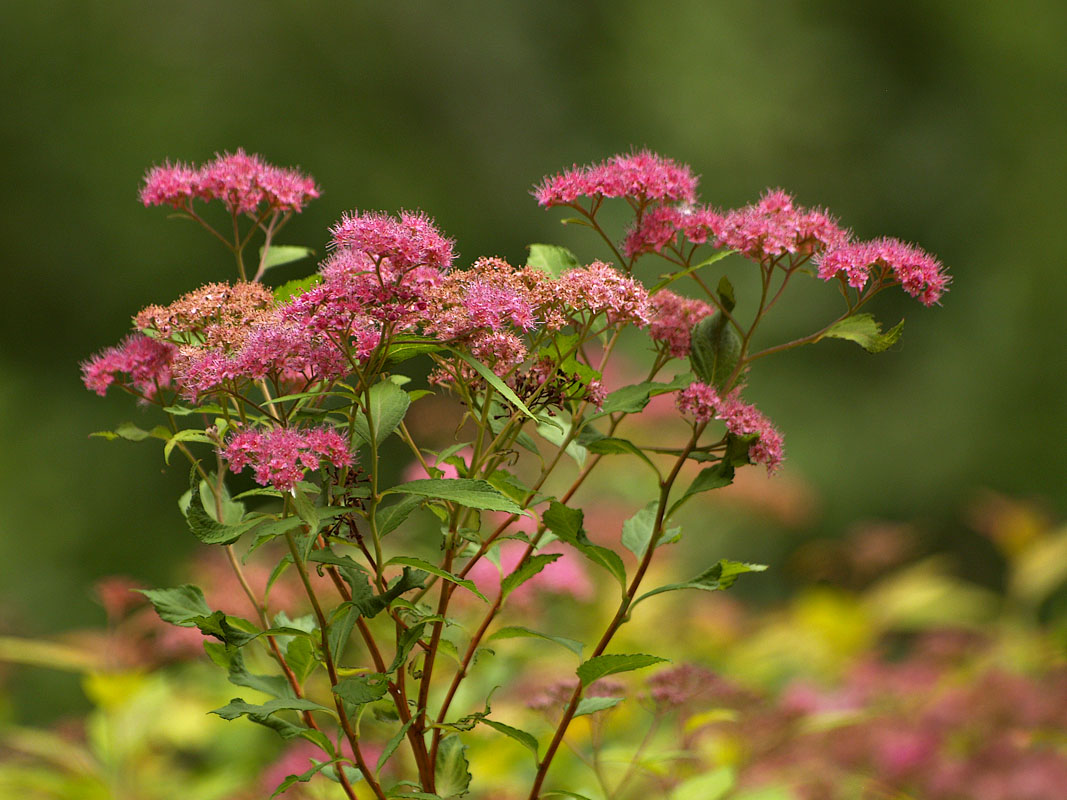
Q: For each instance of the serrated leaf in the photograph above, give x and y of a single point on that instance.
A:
(388, 404)
(279, 254)
(714, 477)
(596, 668)
(527, 740)
(551, 258)
(715, 349)
(517, 632)
(405, 644)
(637, 531)
(179, 605)
(389, 518)
(362, 689)
(369, 604)
(864, 330)
(591, 705)
(294, 288)
(612, 445)
(721, 575)
(468, 492)
(452, 776)
(205, 527)
(303, 777)
(526, 570)
(566, 524)
(184, 435)
(494, 380)
(402, 348)
(300, 655)
(426, 566)
(633, 398)
(392, 745)
(257, 713)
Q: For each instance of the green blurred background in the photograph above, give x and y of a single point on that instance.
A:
(941, 122)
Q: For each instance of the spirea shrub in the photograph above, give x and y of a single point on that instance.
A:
(298, 388)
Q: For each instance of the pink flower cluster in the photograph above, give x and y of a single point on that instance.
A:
(703, 403)
(659, 226)
(145, 361)
(602, 289)
(918, 273)
(281, 456)
(673, 318)
(642, 176)
(408, 242)
(242, 182)
(775, 226)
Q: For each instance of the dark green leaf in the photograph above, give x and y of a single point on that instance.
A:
(452, 776)
(204, 526)
(340, 629)
(517, 631)
(238, 707)
(388, 404)
(566, 524)
(304, 777)
(864, 330)
(393, 744)
(610, 445)
(551, 258)
(362, 689)
(426, 566)
(494, 380)
(715, 348)
(715, 477)
(407, 641)
(391, 517)
(596, 668)
(180, 605)
(369, 604)
(401, 349)
(721, 575)
(463, 491)
(725, 291)
(526, 570)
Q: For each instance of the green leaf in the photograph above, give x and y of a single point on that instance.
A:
(132, 433)
(527, 740)
(303, 777)
(406, 642)
(184, 435)
(369, 604)
(305, 509)
(180, 605)
(551, 258)
(566, 524)
(452, 776)
(707, 262)
(388, 404)
(340, 630)
(526, 570)
(709, 786)
(517, 632)
(392, 745)
(204, 526)
(637, 531)
(279, 254)
(401, 348)
(294, 288)
(300, 655)
(426, 566)
(599, 666)
(468, 492)
(232, 661)
(725, 291)
(557, 433)
(715, 349)
(633, 398)
(591, 705)
(715, 477)
(721, 575)
(391, 517)
(362, 689)
(864, 330)
(611, 445)
(493, 380)
(238, 708)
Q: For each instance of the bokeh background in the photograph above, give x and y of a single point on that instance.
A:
(937, 121)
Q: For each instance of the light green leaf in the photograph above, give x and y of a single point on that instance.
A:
(668, 280)
(551, 258)
(294, 288)
(527, 740)
(392, 745)
(391, 517)
(591, 705)
(388, 404)
(300, 655)
(557, 433)
(132, 433)
(362, 689)
(637, 531)
(566, 524)
(180, 605)
(864, 330)
(468, 492)
(526, 570)
(452, 776)
(714, 477)
(426, 566)
(303, 777)
(599, 666)
(283, 254)
(185, 435)
(517, 631)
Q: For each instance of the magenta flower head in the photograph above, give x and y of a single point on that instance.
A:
(281, 456)
(244, 183)
(145, 361)
(776, 226)
(673, 318)
(642, 176)
(917, 272)
(703, 403)
(600, 288)
(408, 242)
